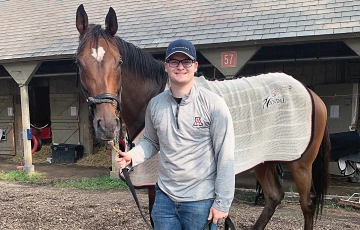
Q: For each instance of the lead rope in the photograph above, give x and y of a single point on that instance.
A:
(227, 221)
(131, 187)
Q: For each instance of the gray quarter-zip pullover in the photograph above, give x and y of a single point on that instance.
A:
(196, 143)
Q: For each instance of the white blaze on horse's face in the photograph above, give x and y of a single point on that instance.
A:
(98, 54)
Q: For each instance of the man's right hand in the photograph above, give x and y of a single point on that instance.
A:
(122, 159)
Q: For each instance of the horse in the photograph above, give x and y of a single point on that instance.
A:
(119, 78)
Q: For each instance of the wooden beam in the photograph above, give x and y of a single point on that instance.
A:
(22, 72)
(229, 61)
(354, 107)
(354, 44)
(24, 94)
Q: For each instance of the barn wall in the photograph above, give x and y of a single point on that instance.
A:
(68, 85)
(309, 73)
(8, 87)
(337, 98)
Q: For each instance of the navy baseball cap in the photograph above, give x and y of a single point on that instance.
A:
(181, 46)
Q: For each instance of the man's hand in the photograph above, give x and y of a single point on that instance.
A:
(216, 215)
(122, 159)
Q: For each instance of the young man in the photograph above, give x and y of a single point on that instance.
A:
(192, 128)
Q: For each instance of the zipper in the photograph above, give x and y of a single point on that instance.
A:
(177, 115)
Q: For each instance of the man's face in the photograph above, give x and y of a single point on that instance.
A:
(180, 75)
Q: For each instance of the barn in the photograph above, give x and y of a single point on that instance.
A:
(314, 41)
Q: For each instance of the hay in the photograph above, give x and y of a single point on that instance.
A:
(37, 157)
(101, 157)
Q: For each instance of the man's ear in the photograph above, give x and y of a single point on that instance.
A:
(196, 66)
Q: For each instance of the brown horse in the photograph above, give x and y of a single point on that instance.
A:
(112, 69)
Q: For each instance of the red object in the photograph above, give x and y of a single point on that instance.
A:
(122, 145)
(228, 59)
(44, 133)
(35, 144)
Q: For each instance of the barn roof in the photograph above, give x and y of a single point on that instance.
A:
(45, 29)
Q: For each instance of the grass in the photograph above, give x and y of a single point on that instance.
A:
(341, 206)
(291, 190)
(95, 183)
(245, 196)
(21, 176)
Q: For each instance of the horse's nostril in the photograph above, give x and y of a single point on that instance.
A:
(99, 121)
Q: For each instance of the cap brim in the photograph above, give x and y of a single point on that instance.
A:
(191, 57)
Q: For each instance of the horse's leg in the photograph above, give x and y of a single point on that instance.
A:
(310, 172)
(268, 178)
(303, 180)
(311, 178)
(151, 196)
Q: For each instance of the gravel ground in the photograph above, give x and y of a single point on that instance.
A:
(40, 207)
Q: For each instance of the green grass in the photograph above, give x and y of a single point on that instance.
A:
(291, 189)
(245, 196)
(21, 176)
(95, 183)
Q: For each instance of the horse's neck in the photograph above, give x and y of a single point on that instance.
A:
(142, 79)
(135, 97)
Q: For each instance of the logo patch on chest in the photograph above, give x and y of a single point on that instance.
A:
(198, 122)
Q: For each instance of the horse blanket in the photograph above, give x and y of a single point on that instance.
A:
(272, 116)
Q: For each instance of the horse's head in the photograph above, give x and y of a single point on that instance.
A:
(99, 62)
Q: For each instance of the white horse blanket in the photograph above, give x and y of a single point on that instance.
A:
(272, 116)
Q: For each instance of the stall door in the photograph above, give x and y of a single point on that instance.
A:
(7, 143)
(65, 118)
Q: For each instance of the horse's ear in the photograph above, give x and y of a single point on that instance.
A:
(111, 23)
(81, 20)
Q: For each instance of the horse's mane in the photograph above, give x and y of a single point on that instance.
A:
(140, 62)
(94, 32)
(135, 60)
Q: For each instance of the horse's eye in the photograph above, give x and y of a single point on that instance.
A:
(120, 62)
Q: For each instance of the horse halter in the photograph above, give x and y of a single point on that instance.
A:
(102, 98)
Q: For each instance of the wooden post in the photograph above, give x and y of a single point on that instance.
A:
(22, 72)
(24, 94)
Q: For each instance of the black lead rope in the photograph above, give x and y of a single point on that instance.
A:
(227, 220)
(132, 189)
(130, 184)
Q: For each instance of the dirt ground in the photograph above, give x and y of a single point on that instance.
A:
(40, 207)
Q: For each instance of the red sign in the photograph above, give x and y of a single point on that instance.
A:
(228, 59)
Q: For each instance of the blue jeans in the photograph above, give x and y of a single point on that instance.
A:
(170, 215)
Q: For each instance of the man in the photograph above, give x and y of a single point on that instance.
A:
(192, 128)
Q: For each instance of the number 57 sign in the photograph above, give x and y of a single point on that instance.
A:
(228, 59)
